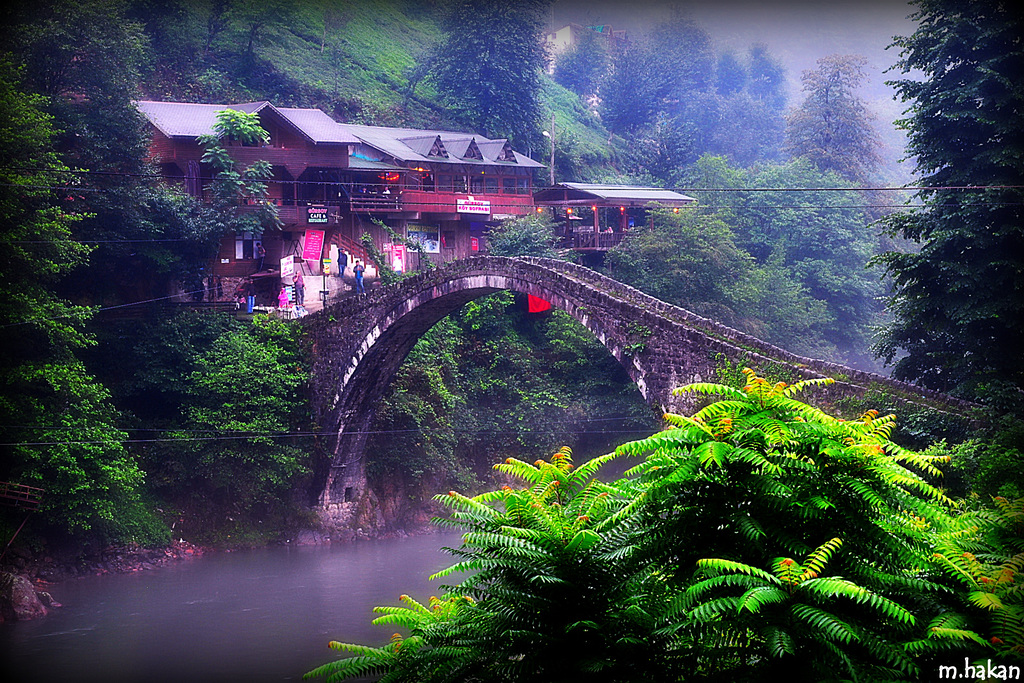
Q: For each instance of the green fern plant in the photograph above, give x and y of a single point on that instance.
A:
(758, 478)
(551, 591)
(984, 554)
(685, 569)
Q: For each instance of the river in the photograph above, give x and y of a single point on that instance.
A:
(255, 616)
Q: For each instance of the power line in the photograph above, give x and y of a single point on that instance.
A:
(295, 435)
(104, 308)
(414, 186)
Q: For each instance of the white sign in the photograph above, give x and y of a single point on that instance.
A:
(473, 206)
(287, 267)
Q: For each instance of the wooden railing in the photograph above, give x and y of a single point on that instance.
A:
(600, 241)
(20, 495)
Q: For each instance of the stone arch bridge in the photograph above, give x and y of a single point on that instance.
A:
(359, 343)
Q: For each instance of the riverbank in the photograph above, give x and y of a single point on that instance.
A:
(24, 580)
(51, 567)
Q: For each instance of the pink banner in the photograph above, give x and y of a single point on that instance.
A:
(313, 245)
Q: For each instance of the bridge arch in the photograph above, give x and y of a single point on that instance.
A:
(360, 342)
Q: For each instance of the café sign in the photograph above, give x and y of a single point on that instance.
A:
(316, 214)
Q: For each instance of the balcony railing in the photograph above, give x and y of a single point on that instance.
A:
(598, 241)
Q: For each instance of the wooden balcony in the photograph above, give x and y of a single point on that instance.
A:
(584, 240)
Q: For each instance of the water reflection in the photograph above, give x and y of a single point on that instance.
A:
(262, 615)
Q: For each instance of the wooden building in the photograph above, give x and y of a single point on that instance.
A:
(332, 182)
(594, 218)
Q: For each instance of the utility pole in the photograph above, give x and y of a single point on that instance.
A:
(551, 136)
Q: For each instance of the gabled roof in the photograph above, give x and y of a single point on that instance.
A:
(189, 120)
(416, 145)
(426, 145)
(496, 150)
(627, 195)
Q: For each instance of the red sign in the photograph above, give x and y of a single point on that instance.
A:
(313, 245)
(474, 243)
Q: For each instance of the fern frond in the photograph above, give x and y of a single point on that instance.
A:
(779, 642)
(831, 587)
(820, 556)
(719, 565)
(793, 389)
(711, 389)
(758, 596)
(825, 623)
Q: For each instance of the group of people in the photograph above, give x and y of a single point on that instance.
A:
(245, 292)
(299, 285)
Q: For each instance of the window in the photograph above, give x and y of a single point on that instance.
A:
(522, 186)
(243, 245)
(476, 184)
(508, 185)
(444, 183)
(490, 184)
(459, 183)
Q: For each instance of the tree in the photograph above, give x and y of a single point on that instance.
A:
(582, 67)
(89, 69)
(60, 429)
(234, 187)
(240, 455)
(957, 299)
(632, 96)
(767, 77)
(832, 127)
(529, 235)
(825, 239)
(687, 258)
(488, 63)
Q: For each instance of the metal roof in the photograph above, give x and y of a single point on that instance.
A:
(580, 193)
(189, 120)
(413, 145)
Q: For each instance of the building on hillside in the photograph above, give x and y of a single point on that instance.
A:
(568, 37)
(334, 182)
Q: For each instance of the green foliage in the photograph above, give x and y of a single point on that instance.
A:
(490, 381)
(87, 59)
(809, 289)
(957, 293)
(60, 430)
(545, 598)
(832, 127)
(529, 235)
(984, 554)
(759, 479)
(582, 67)
(240, 451)
(487, 65)
(232, 186)
(688, 258)
(759, 538)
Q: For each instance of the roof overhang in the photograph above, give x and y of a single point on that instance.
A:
(591, 194)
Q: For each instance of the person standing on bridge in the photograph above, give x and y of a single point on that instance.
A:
(358, 270)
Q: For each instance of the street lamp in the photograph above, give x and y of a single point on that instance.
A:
(551, 136)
